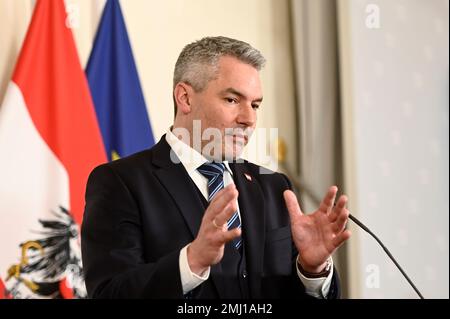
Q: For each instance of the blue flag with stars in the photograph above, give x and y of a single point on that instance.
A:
(115, 88)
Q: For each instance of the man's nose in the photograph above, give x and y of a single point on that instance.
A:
(247, 115)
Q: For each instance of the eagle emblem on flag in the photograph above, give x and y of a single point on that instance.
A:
(50, 266)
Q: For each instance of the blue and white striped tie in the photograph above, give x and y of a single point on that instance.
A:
(214, 173)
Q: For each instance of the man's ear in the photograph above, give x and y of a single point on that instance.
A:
(183, 95)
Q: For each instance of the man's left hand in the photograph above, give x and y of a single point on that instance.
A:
(317, 235)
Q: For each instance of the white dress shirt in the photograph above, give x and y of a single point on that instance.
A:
(191, 160)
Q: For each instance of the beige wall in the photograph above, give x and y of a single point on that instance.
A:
(394, 80)
(159, 30)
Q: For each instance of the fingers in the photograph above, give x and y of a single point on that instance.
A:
(339, 208)
(225, 215)
(220, 210)
(328, 201)
(339, 217)
(341, 221)
(225, 235)
(224, 197)
(292, 204)
(231, 234)
(339, 239)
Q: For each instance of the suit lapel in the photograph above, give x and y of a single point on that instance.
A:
(251, 205)
(179, 185)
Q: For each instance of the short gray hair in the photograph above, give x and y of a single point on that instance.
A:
(198, 61)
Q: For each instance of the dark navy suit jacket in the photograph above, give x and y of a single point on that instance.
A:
(143, 209)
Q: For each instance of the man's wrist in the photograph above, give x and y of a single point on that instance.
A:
(194, 266)
(324, 272)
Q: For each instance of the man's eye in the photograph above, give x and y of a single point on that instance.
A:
(255, 106)
(230, 100)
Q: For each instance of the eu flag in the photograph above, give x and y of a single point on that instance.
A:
(115, 88)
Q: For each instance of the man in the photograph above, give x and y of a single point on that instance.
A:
(186, 220)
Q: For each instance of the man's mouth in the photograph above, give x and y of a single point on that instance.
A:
(239, 138)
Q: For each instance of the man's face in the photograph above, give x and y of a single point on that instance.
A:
(228, 104)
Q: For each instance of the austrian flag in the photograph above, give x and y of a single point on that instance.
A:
(49, 142)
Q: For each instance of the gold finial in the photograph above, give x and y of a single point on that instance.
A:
(114, 156)
(281, 150)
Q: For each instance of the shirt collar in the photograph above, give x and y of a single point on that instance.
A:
(190, 158)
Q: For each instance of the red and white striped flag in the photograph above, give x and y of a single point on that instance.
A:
(49, 142)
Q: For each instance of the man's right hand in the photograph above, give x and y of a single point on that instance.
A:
(208, 247)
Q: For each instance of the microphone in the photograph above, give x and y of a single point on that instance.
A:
(357, 222)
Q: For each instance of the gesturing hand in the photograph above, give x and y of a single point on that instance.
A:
(208, 247)
(317, 235)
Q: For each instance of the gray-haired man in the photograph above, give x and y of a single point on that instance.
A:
(189, 219)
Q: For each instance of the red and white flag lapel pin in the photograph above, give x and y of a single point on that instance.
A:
(248, 177)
